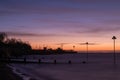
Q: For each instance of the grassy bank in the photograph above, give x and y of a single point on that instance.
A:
(7, 74)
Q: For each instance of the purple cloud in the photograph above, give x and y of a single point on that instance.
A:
(23, 34)
(97, 30)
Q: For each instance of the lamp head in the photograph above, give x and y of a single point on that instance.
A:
(114, 38)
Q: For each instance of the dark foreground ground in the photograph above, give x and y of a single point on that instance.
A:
(7, 74)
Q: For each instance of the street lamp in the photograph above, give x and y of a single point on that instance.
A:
(114, 56)
(73, 48)
(87, 48)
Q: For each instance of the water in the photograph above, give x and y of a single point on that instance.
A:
(99, 67)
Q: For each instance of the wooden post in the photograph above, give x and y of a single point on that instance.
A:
(39, 60)
(69, 62)
(55, 61)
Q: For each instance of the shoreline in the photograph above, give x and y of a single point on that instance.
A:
(19, 73)
(6, 73)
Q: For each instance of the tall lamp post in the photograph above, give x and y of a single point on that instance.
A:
(87, 48)
(114, 56)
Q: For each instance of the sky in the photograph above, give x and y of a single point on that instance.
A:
(48, 23)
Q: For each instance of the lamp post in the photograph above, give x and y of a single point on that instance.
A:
(114, 56)
(87, 48)
(73, 48)
(87, 51)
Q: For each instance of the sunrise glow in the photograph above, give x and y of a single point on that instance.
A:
(48, 23)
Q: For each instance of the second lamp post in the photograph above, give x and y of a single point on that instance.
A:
(114, 56)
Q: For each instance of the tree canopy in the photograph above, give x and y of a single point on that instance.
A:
(3, 36)
(12, 47)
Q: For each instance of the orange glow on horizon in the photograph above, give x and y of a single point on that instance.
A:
(101, 43)
(78, 47)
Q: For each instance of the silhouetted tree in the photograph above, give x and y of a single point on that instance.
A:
(59, 51)
(12, 47)
(18, 47)
(3, 36)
